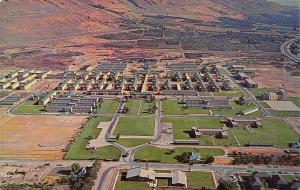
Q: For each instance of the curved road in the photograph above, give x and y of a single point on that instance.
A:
(285, 50)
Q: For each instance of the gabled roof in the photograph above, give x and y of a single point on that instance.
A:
(279, 179)
(255, 181)
(139, 172)
(295, 185)
(262, 174)
(179, 178)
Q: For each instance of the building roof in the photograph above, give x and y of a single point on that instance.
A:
(139, 172)
(280, 180)
(179, 177)
(255, 182)
(262, 174)
(250, 81)
(295, 185)
(195, 156)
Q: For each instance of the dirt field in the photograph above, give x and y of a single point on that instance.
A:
(46, 85)
(36, 137)
(269, 76)
(257, 150)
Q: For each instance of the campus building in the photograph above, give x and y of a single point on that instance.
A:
(207, 102)
(177, 178)
(281, 94)
(222, 133)
(237, 122)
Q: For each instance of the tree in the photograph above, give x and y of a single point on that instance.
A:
(75, 168)
(183, 158)
(118, 136)
(209, 160)
(125, 110)
(97, 164)
(226, 185)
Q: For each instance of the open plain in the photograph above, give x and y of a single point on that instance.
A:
(36, 137)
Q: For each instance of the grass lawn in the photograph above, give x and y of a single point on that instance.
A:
(228, 93)
(138, 126)
(185, 124)
(198, 180)
(162, 155)
(145, 108)
(133, 142)
(29, 107)
(265, 105)
(108, 107)
(258, 91)
(230, 141)
(213, 141)
(285, 113)
(162, 183)
(173, 107)
(133, 106)
(295, 100)
(130, 185)
(236, 108)
(273, 131)
(78, 151)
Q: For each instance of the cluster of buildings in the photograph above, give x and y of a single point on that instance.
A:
(22, 79)
(10, 100)
(264, 180)
(245, 74)
(220, 133)
(180, 79)
(176, 178)
(236, 68)
(280, 95)
(55, 102)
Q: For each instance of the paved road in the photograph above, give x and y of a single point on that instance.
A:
(285, 50)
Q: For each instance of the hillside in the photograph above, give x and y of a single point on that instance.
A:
(203, 9)
(30, 20)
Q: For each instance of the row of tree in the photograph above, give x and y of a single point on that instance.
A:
(285, 159)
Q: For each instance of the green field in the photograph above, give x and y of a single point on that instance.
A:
(198, 180)
(265, 105)
(258, 91)
(78, 148)
(132, 142)
(273, 131)
(130, 185)
(108, 107)
(145, 108)
(285, 113)
(173, 107)
(185, 124)
(140, 107)
(162, 155)
(236, 108)
(228, 93)
(137, 126)
(295, 100)
(29, 106)
(133, 106)
(213, 141)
